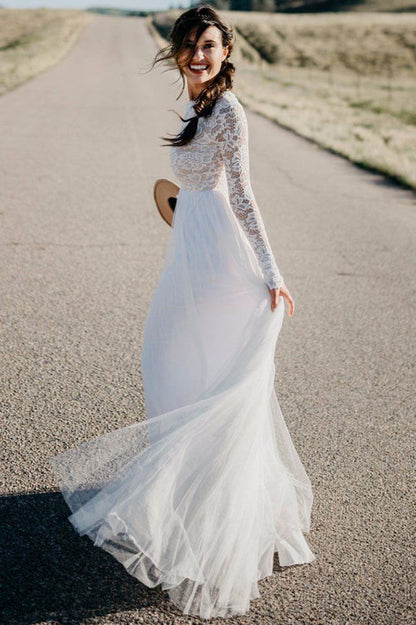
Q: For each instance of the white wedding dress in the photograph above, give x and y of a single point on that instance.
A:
(199, 495)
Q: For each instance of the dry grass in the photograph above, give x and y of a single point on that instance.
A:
(385, 5)
(345, 80)
(31, 40)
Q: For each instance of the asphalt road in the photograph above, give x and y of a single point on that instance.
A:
(81, 251)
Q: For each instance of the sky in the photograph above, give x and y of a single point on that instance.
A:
(143, 5)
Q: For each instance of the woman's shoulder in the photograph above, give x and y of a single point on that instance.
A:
(229, 121)
(228, 99)
(229, 111)
(229, 106)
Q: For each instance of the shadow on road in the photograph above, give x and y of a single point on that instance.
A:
(53, 574)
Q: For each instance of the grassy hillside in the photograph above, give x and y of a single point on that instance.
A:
(345, 80)
(396, 6)
(31, 40)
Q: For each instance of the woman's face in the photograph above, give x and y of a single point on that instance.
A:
(207, 59)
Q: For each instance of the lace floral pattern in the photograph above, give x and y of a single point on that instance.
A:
(218, 158)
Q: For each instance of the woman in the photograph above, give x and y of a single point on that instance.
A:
(199, 496)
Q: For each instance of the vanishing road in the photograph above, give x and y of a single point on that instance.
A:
(81, 249)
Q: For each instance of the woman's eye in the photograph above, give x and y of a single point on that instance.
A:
(208, 45)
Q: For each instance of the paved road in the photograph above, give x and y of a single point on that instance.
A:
(81, 251)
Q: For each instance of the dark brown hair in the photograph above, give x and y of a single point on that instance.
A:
(200, 17)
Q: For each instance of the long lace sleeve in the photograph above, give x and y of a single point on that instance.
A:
(231, 133)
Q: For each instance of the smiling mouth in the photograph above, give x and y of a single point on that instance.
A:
(198, 68)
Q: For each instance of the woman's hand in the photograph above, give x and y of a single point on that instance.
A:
(284, 291)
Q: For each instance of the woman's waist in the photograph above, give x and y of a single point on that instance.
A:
(199, 202)
(184, 190)
(201, 197)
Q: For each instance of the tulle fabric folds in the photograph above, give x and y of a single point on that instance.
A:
(199, 495)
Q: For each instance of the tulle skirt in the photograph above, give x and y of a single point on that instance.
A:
(199, 494)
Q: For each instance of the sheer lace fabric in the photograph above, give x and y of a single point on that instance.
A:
(221, 146)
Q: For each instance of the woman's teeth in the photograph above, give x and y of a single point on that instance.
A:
(198, 68)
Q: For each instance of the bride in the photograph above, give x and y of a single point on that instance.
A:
(200, 494)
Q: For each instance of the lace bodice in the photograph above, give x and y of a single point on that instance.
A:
(218, 158)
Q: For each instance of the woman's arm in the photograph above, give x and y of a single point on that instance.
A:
(231, 132)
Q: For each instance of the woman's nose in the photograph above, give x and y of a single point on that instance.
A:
(198, 55)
